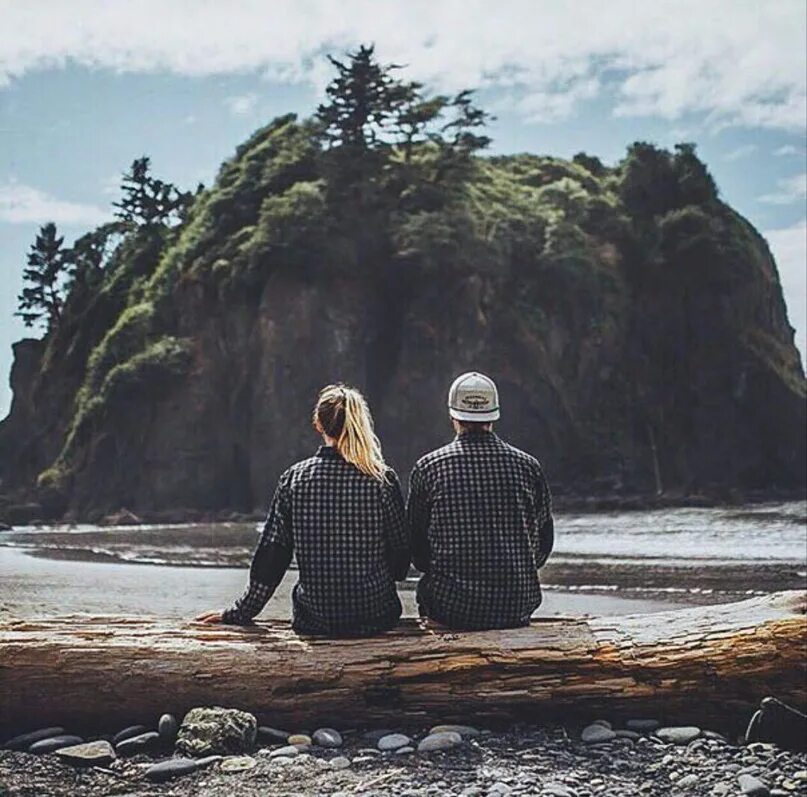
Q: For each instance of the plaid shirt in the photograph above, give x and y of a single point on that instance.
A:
(480, 513)
(350, 537)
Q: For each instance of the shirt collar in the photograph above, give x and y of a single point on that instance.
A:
(476, 437)
(328, 452)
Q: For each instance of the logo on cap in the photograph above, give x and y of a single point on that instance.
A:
(475, 402)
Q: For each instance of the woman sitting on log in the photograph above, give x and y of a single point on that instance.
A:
(342, 513)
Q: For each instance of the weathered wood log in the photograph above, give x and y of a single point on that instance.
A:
(708, 664)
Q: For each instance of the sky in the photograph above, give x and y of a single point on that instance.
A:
(89, 85)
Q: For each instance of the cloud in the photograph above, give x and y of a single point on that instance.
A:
(737, 62)
(242, 104)
(789, 247)
(791, 189)
(786, 150)
(22, 204)
(740, 152)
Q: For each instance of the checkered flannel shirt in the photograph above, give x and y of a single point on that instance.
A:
(351, 541)
(480, 514)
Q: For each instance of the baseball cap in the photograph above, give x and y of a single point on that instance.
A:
(473, 397)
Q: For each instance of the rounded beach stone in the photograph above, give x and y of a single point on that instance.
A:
(138, 744)
(289, 751)
(340, 762)
(627, 734)
(25, 740)
(53, 744)
(604, 723)
(642, 725)
(129, 733)
(752, 786)
(682, 734)
(687, 781)
(556, 790)
(167, 727)
(405, 750)
(439, 741)
(267, 735)
(173, 768)
(87, 754)
(216, 731)
(237, 763)
(595, 734)
(393, 741)
(327, 737)
(300, 740)
(462, 730)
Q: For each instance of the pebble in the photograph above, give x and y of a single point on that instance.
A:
(604, 723)
(24, 741)
(642, 725)
(340, 762)
(300, 740)
(405, 750)
(439, 741)
(627, 734)
(556, 790)
(272, 735)
(499, 788)
(137, 744)
(237, 763)
(462, 730)
(752, 786)
(54, 743)
(289, 751)
(682, 734)
(88, 754)
(128, 733)
(167, 727)
(393, 741)
(173, 768)
(208, 759)
(327, 737)
(687, 781)
(593, 734)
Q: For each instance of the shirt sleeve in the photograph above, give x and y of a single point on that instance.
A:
(418, 514)
(397, 531)
(545, 522)
(270, 562)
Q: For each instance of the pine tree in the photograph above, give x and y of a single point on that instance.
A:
(147, 200)
(41, 297)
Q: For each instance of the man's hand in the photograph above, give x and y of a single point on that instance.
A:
(211, 618)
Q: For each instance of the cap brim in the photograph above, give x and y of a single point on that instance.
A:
(479, 417)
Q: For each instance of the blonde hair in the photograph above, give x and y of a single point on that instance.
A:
(342, 413)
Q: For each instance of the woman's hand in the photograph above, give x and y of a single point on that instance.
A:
(211, 618)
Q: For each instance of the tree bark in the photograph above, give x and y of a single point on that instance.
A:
(709, 664)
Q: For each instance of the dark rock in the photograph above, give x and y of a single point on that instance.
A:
(642, 725)
(267, 735)
(5, 526)
(173, 768)
(216, 731)
(439, 741)
(24, 741)
(779, 723)
(327, 737)
(54, 743)
(128, 733)
(596, 734)
(167, 727)
(138, 744)
(88, 754)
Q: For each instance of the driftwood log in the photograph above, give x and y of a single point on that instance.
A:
(707, 664)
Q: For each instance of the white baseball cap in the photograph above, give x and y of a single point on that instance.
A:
(473, 397)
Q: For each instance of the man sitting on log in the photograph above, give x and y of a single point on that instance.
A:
(480, 515)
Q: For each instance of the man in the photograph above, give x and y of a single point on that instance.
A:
(480, 514)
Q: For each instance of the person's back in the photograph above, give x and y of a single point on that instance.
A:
(481, 521)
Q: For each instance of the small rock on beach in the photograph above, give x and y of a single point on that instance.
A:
(683, 734)
(53, 744)
(597, 733)
(173, 768)
(25, 740)
(216, 731)
(128, 733)
(393, 741)
(327, 737)
(96, 754)
(439, 741)
(138, 744)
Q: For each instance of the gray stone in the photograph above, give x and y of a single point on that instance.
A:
(167, 727)
(87, 754)
(207, 760)
(405, 750)
(687, 780)
(682, 734)
(604, 723)
(556, 790)
(216, 731)
(439, 741)
(128, 733)
(289, 751)
(393, 741)
(752, 786)
(173, 768)
(340, 762)
(268, 735)
(54, 743)
(138, 744)
(642, 725)
(237, 763)
(25, 740)
(463, 730)
(626, 734)
(595, 734)
(327, 737)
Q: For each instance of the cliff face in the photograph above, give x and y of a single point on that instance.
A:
(636, 329)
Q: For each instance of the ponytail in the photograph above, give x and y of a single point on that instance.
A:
(342, 413)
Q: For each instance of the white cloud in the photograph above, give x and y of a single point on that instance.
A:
(740, 152)
(790, 189)
(789, 247)
(786, 150)
(738, 62)
(241, 104)
(22, 204)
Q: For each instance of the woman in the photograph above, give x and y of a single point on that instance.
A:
(342, 513)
